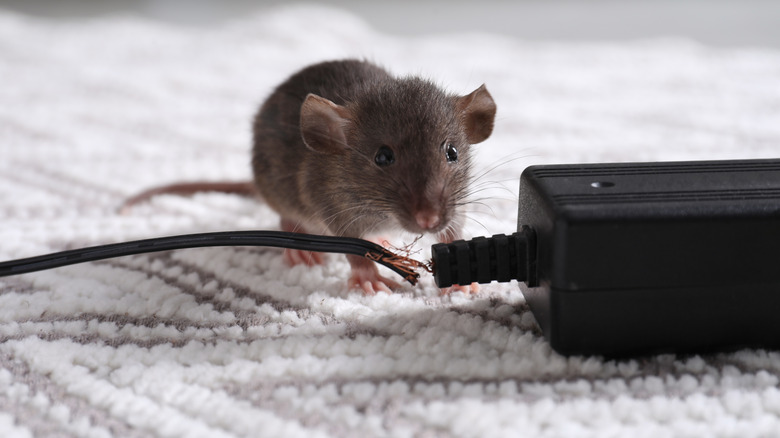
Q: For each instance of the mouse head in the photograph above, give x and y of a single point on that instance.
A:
(402, 148)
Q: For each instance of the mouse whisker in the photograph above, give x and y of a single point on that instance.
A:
(502, 161)
(485, 186)
(494, 183)
(377, 214)
(478, 223)
(452, 228)
(460, 196)
(378, 225)
(345, 227)
(328, 220)
(298, 228)
(478, 180)
(489, 188)
(476, 213)
(477, 202)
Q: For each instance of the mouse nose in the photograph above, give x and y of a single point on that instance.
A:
(427, 220)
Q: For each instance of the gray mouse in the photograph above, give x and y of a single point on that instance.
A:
(344, 148)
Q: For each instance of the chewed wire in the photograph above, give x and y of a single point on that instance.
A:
(400, 264)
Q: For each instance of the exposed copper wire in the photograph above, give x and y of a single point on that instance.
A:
(408, 266)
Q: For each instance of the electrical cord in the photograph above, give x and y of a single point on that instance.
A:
(482, 259)
(403, 266)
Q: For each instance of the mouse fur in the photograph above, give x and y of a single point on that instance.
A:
(345, 148)
(317, 137)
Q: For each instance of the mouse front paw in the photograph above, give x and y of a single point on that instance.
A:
(370, 286)
(365, 276)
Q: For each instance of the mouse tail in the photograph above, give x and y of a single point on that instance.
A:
(243, 188)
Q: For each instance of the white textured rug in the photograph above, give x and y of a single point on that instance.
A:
(228, 341)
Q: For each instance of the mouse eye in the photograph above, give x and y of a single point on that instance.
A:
(384, 157)
(450, 152)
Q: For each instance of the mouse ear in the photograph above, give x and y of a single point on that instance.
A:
(323, 124)
(478, 110)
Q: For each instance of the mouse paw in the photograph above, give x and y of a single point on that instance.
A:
(468, 289)
(300, 257)
(372, 285)
(365, 276)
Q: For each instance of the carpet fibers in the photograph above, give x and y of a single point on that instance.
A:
(228, 342)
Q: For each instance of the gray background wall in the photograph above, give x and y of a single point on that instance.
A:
(712, 22)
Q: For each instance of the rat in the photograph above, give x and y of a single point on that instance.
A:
(345, 148)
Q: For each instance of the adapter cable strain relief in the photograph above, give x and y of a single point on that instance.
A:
(484, 259)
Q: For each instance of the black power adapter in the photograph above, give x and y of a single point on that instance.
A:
(640, 258)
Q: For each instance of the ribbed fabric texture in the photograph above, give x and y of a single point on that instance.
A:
(225, 342)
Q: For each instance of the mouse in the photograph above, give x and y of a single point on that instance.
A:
(345, 148)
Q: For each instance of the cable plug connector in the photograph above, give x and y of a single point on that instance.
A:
(484, 259)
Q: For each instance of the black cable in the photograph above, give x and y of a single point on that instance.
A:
(482, 259)
(402, 265)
